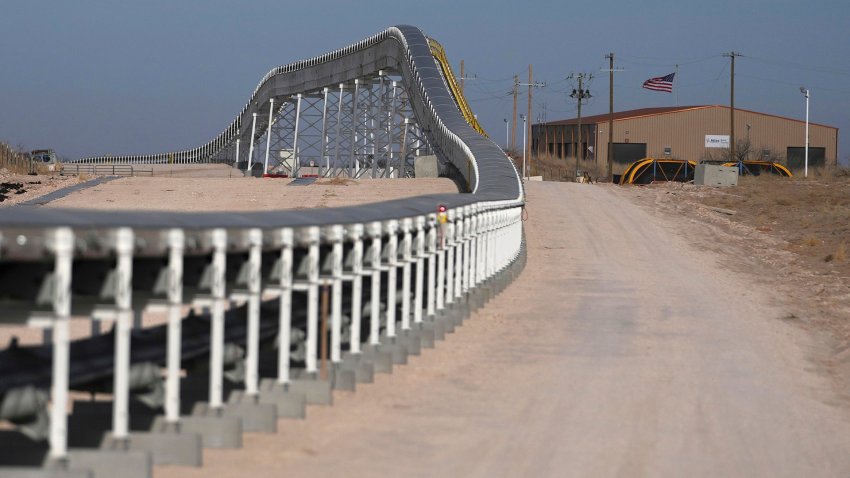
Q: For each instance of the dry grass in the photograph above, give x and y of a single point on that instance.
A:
(554, 169)
(812, 214)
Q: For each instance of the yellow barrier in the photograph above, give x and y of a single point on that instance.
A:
(440, 55)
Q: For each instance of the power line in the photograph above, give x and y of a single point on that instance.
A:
(793, 83)
(665, 61)
(801, 66)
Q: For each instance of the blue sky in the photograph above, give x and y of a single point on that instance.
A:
(117, 77)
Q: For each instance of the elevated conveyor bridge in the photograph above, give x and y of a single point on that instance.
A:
(398, 273)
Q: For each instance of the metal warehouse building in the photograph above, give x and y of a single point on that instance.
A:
(686, 132)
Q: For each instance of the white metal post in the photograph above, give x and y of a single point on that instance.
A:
(460, 244)
(237, 152)
(442, 255)
(806, 161)
(296, 160)
(251, 139)
(420, 273)
(407, 258)
(356, 235)
(488, 251)
(312, 298)
(285, 319)
(217, 291)
(124, 241)
(469, 269)
(338, 126)
(63, 250)
(252, 347)
(374, 231)
(176, 245)
(432, 266)
(450, 257)
(392, 265)
(324, 143)
(269, 136)
(336, 237)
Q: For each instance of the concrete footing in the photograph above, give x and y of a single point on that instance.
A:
(427, 337)
(216, 430)
(410, 340)
(364, 370)
(316, 392)
(33, 472)
(255, 416)
(396, 350)
(114, 463)
(436, 327)
(382, 362)
(289, 404)
(165, 448)
(446, 318)
(343, 379)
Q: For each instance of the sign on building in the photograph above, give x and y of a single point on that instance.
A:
(717, 141)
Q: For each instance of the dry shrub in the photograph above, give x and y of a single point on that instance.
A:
(840, 254)
(554, 169)
(811, 241)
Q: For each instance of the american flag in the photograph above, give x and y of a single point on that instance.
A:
(662, 83)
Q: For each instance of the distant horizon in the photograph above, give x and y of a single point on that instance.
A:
(125, 78)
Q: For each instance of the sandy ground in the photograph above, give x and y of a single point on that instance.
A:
(34, 186)
(789, 236)
(244, 194)
(622, 350)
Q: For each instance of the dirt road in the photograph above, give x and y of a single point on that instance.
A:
(620, 351)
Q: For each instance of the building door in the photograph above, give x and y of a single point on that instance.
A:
(628, 153)
(796, 157)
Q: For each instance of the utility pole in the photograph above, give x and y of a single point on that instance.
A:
(530, 85)
(732, 55)
(580, 95)
(513, 125)
(611, 70)
(463, 77)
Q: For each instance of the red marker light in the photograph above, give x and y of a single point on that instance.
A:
(442, 208)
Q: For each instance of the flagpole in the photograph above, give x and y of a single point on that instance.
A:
(677, 84)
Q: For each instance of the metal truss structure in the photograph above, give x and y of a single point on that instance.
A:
(363, 128)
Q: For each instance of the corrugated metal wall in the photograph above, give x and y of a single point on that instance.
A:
(684, 132)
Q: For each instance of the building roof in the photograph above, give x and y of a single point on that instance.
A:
(643, 112)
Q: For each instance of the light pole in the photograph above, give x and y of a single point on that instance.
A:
(524, 133)
(507, 127)
(805, 91)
